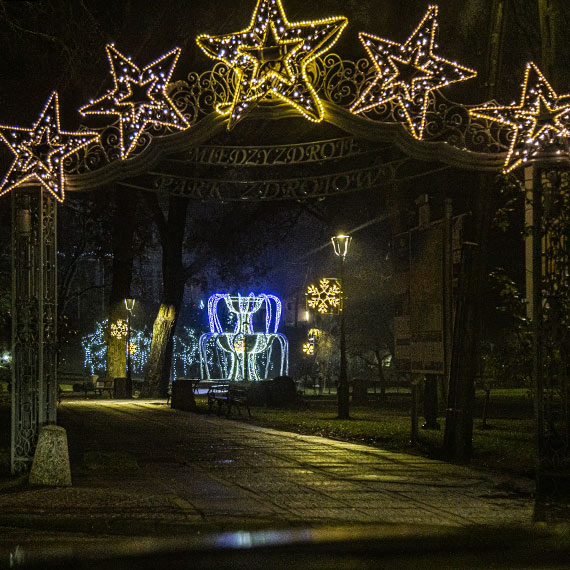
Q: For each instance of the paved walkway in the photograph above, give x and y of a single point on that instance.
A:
(141, 468)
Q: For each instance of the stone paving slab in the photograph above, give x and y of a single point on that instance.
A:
(141, 467)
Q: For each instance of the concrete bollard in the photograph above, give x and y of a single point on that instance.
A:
(50, 466)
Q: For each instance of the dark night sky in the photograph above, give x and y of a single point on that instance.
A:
(58, 44)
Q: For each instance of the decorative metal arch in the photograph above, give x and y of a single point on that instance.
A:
(451, 134)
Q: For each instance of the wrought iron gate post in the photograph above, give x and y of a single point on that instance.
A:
(34, 318)
(548, 291)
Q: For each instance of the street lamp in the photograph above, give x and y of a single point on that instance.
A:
(129, 305)
(340, 244)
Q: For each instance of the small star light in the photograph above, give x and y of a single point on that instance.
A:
(326, 297)
(309, 348)
(408, 73)
(541, 121)
(270, 59)
(139, 97)
(41, 150)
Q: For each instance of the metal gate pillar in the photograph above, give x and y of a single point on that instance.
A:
(34, 318)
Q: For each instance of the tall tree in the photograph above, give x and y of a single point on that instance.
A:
(171, 227)
(124, 220)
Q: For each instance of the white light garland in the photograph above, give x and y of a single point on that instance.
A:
(408, 73)
(541, 121)
(270, 59)
(139, 97)
(243, 354)
(41, 151)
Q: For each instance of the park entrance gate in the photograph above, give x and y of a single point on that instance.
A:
(276, 69)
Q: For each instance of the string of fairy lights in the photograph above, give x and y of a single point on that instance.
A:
(270, 61)
(186, 352)
(39, 152)
(407, 73)
(540, 122)
(139, 97)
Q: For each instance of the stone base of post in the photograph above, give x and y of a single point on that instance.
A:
(50, 466)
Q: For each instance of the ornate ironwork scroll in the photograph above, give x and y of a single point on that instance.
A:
(450, 135)
(34, 317)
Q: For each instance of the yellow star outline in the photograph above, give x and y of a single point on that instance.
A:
(538, 120)
(41, 151)
(139, 97)
(407, 73)
(270, 59)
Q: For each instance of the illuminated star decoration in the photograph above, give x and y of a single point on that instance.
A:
(541, 121)
(41, 151)
(326, 297)
(139, 97)
(270, 59)
(407, 73)
(309, 348)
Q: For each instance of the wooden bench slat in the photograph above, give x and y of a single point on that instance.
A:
(230, 395)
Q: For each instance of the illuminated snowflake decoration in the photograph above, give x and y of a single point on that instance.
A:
(407, 73)
(139, 97)
(41, 151)
(314, 334)
(309, 348)
(119, 329)
(95, 349)
(270, 60)
(326, 298)
(541, 121)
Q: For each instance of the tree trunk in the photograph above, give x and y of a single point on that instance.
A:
(465, 356)
(171, 233)
(381, 377)
(123, 232)
(161, 332)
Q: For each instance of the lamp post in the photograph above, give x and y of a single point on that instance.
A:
(340, 244)
(130, 305)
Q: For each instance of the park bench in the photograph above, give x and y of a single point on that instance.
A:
(101, 385)
(229, 395)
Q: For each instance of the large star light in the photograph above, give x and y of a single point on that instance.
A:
(139, 97)
(407, 73)
(541, 121)
(270, 59)
(40, 151)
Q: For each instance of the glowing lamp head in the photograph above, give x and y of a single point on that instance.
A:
(341, 244)
(130, 305)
